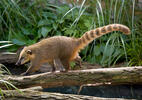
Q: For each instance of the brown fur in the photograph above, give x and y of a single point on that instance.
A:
(60, 50)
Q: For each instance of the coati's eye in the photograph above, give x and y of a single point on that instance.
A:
(29, 52)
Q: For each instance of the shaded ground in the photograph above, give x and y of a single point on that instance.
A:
(119, 91)
(17, 70)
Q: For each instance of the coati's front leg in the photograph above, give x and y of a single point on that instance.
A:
(35, 65)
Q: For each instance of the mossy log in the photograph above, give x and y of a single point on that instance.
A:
(111, 76)
(36, 93)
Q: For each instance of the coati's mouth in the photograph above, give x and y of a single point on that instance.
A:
(27, 63)
(22, 61)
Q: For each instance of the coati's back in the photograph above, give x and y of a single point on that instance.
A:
(56, 47)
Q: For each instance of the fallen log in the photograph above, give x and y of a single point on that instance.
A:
(113, 76)
(8, 58)
(36, 93)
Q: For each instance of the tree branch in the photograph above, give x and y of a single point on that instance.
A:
(36, 94)
(113, 76)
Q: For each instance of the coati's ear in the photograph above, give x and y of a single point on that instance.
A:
(29, 52)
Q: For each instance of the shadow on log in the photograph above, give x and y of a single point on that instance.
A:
(102, 76)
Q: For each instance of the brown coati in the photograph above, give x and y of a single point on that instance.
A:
(59, 51)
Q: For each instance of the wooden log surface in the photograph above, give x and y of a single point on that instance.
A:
(8, 58)
(36, 93)
(113, 76)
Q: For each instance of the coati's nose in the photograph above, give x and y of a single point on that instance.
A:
(18, 63)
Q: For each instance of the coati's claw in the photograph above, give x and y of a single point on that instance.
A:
(63, 70)
(24, 74)
(53, 69)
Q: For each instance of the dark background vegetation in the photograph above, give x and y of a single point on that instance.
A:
(25, 22)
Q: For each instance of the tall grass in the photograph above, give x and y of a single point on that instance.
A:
(7, 84)
(5, 44)
(110, 48)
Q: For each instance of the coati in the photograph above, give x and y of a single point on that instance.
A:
(59, 51)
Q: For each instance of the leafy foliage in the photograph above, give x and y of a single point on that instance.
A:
(134, 54)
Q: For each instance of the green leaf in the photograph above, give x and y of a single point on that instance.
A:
(25, 31)
(6, 45)
(39, 33)
(55, 26)
(18, 42)
(60, 21)
(97, 50)
(58, 33)
(68, 31)
(44, 22)
(49, 15)
(87, 23)
(45, 30)
(72, 64)
(5, 41)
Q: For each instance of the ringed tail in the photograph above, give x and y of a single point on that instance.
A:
(98, 32)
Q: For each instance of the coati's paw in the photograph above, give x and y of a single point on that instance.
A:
(53, 69)
(63, 70)
(24, 74)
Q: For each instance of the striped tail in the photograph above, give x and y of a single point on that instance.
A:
(98, 32)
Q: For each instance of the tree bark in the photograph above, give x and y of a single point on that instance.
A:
(112, 76)
(8, 58)
(37, 94)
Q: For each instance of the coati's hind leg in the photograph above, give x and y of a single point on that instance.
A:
(66, 64)
(52, 65)
(77, 60)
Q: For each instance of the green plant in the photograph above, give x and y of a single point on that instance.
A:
(7, 84)
(134, 48)
(5, 44)
(134, 54)
(25, 22)
(110, 48)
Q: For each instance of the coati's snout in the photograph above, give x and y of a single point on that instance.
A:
(19, 62)
(24, 56)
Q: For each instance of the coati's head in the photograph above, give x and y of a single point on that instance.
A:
(25, 56)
